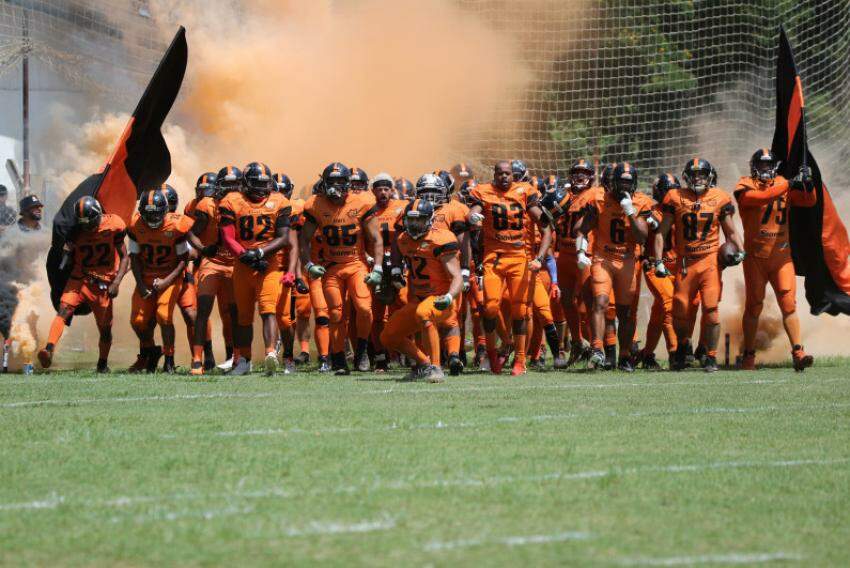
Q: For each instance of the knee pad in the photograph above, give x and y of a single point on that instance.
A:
(712, 316)
(323, 321)
(335, 314)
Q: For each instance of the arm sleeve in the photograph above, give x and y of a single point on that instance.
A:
(749, 198)
(228, 236)
(133, 246)
(552, 267)
(283, 218)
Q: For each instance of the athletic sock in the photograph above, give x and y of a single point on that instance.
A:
(552, 339)
(57, 326)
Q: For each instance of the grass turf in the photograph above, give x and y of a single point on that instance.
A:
(551, 468)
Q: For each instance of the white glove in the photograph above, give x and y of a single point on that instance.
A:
(627, 205)
(661, 269)
(652, 222)
(443, 302)
(464, 274)
(476, 218)
(583, 261)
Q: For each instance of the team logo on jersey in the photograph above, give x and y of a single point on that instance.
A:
(354, 213)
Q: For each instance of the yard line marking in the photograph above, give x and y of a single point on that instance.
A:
(160, 516)
(79, 401)
(435, 546)
(441, 425)
(331, 528)
(406, 485)
(733, 558)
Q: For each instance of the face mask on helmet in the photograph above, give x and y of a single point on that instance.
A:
(581, 179)
(153, 208)
(417, 224)
(89, 214)
(698, 180)
(257, 182)
(764, 170)
(228, 179)
(337, 187)
(519, 170)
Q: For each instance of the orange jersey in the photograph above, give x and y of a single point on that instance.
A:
(453, 216)
(613, 238)
(256, 222)
(426, 274)
(191, 206)
(296, 220)
(96, 252)
(505, 212)
(210, 236)
(366, 195)
(669, 252)
(766, 222)
(568, 223)
(159, 249)
(533, 236)
(389, 218)
(696, 220)
(339, 226)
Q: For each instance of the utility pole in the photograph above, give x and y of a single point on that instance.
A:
(25, 102)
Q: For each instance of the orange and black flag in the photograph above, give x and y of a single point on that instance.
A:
(819, 243)
(140, 160)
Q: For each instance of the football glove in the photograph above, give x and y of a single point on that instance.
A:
(464, 273)
(475, 218)
(315, 271)
(288, 280)
(652, 222)
(301, 286)
(661, 269)
(397, 278)
(737, 258)
(251, 256)
(627, 205)
(209, 251)
(443, 302)
(374, 278)
(582, 260)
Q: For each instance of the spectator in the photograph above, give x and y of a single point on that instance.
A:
(7, 214)
(31, 209)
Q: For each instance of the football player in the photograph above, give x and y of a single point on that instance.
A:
(434, 281)
(254, 227)
(763, 199)
(341, 219)
(501, 209)
(404, 189)
(159, 253)
(289, 262)
(386, 299)
(697, 213)
(617, 217)
(98, 260)
(214, 277)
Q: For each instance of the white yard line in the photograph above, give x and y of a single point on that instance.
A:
(437, 545)
(153, 398)
(54, 501)
(331, 528)
(731, 558)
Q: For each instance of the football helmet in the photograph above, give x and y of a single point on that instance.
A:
(549, 183)
(624, 179)
(431, 187)
(404, 187)
(418, 218)
(383, 179)
(763, 165)
(519, 170)
(170, 196)
(336, 181)
(555, 203)
(448, 180)
(153, 207)
(359, 180)
(582, 175)
(465, 192)
(89, 213)
(699, 175)
(283, 184)
(461, 172)
(662, 184)
(229, 178)
(257, 182)
(205, 186)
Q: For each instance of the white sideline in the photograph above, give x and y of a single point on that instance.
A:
(78, 401)
(435, 546)
(441, 425)
(733, 558)
(54, 501)
(330, 528)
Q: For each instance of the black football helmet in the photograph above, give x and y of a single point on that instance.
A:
(555, 203)
(624, 179)
(461, 172)
(404, 187)
(205, 186)
(465, 192)
(582, 175)
(359, 180)
(229, 179)
(699, 175)
(283, 184)
(448, 180)
(170, 196)
(662, 184)
(257, 182)
(418, 218)
(519, 170)
(89, 213)
(763, 165)
(336, 181)
(430, 187)
(153, 207)
(549, 183)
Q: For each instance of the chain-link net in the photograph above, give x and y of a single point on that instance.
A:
(102, 46)
(657, 82)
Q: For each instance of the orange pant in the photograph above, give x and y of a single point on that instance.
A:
(511, 274)
(284, 309)
(303, 306)
(159, 305)
(341, 282)
(252, 288)
(778, 270)
(216, 280)
(416, 316)
(541, 307)
(572, 281)
(78, 292)
(661, 315)
(382, 312)
(617, 276)
(703, 278)
(188, 298)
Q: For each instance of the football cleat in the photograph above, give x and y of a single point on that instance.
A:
(700, 354)
(679, 361)
(141, 362)
(518, 369)
(577, 349)
(324, 364)
(801, 360)
(288, 366)
(610, 357)
(625, 365)
(433, 374)
(597, 359)
(270, 363)
(197, 369)
(496, 362)
(709, 364)
(154, 353)
(649, 362)
(455, 365)
(748, 361)
(168, 365)
(303, 358)
(227, 365)
(102, 367)
(362, 363)
(241, 367)
(560, 361)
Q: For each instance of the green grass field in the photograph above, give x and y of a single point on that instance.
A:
(569, 468)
